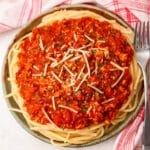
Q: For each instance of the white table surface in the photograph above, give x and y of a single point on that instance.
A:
(12, 135)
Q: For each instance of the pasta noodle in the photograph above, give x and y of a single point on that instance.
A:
(49, 128)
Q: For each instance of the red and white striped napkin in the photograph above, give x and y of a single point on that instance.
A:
(131, 137)
(15, 13)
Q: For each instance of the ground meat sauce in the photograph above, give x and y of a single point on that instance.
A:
(72, 71)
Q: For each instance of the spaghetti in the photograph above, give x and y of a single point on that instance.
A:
(73, 76)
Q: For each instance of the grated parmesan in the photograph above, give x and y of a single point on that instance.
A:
(96, 67)
(85, 46)
(117, 66)
(41, 44)
(60, 73)
(81, 72)
(89, 38)
(108, 100)
(69, 108)
(63, 46)
(87, 64)
(89, 109)
(61, 61)
(75, 37)
(37, 75)
(35, 67)
(118, 80)
(45, 69)
(101, 41)
(78, 50)
(69, 71)
(53, 103)
(52, 59)
(47, 117)
(56, 77)
(75, 58)
(84, 78)
(85, 58)
(95, 88)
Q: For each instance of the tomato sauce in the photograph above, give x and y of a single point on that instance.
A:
(66, 70)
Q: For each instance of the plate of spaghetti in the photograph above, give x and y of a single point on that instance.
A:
(71, 76)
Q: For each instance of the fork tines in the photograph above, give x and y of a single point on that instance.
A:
(142, 35)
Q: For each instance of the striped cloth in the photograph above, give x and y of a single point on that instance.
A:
(131, 137)
(15, 13)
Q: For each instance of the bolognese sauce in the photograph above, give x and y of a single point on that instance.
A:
(74, 73)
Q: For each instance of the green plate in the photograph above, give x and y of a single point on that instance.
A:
(28, 28)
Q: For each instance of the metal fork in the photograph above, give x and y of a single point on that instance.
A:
(142, 47)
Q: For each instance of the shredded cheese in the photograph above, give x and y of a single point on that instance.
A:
(108, 100)
(63, 46)
(65, 58)
(45, 69)
(41, 44)
(53, 103)
(72, 81)
(89, 109)
(53, 45)
(52, 59)
(118, 80)
(75, 58)
(87, 64)
(89, 38)
(37, 75)
(75, 37)
(95, 88)
(69, 108)
(72, 84)
(100, 49)
(85, 46)
(66, 53)
(35, 67)
(47, 50)
(60, 73)
(117, 66)
(47, 117)
(92, 83)
(79, 50)
(69, 71)
(84, 78)
(81, 71)
(61, 61)
(85, 58)
(56, 77)
(101, 41)
(106, 53)
(96, 67)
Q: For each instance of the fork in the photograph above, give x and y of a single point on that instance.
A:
(142, 47)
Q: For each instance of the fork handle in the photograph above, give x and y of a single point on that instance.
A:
(146, 148)
(148, 80)
(146, 136)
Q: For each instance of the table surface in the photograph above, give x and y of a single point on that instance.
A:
(12, 135)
